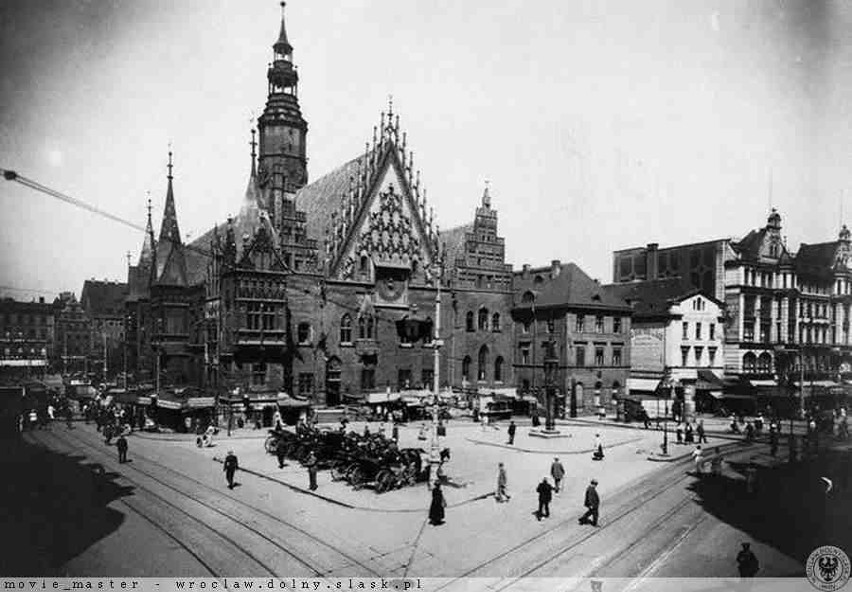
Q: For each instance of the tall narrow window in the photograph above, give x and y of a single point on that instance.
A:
(468, 322)
(498, 369)
(581, 356)
(685, 330)
(599, 356)
(483, 319)
(599, 324)
(580, 324)
(346, 329)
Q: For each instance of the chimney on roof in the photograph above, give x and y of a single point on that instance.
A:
(652, 261)
(525, 272)
(555, 268)
(41, 299)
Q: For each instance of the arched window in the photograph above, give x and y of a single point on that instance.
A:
(362, 328)
(364, 266)
(749, 362)
(303, 333)
(528, 297)
(764, 363)
(483, 363)
(346, 329)
(483, 319)
(468, 322)
(466, 368)
(498, 369)
(370, 328)
(495, 322)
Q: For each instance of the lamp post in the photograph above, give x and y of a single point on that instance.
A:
(550, 365)
(434, 452)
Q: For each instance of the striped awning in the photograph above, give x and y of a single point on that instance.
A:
(647, 385)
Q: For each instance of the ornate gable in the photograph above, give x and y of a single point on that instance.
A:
(260, 252)
(380, 232)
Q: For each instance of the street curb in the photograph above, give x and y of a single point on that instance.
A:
(192, 437)
(527, 450)
(346, 504)
(629, 426)
(681, 457)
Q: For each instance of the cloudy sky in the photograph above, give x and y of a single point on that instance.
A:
(600, 124)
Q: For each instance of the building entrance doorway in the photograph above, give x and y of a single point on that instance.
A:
(332, 382)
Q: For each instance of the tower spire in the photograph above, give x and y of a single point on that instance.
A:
(253, 153)
(486, 197)
(282, 47)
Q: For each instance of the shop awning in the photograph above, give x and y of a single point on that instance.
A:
(506, 392)
(648, 385)
(708, 381)
(166, 404)
(379, 398)
(200, 402)
(288, 401)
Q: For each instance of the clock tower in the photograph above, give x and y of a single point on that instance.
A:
(282, 128)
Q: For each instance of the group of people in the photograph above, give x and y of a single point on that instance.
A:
(691, 432)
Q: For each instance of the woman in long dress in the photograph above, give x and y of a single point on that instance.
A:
(436, 510)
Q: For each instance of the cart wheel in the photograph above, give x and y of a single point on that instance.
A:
(357, 478)
(384, 481)
(270, 444)
(338, 471)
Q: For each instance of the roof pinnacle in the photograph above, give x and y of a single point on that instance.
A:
(170, 160)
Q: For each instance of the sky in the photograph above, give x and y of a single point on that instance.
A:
(600, 125)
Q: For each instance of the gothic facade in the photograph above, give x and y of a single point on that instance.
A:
(324, 290)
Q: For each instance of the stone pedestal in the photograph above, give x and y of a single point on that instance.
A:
(548, 434)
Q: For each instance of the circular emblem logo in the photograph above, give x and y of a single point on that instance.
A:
(828, 568)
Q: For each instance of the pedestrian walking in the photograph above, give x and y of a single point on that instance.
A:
(311, 463)
(689, 434)
(512, 429)
(698, 458)
(108, 433)
(747, 562)
(230, 467)
(51, 412)
(121, 444)
(592, 502)
(599, 453)
(699, 430)
(749, 432)
(395, 432)
(502, 481)
(679, 432)
(545, 494)
(436, 510)
(557, 471)
(281, 452)
(773, 440)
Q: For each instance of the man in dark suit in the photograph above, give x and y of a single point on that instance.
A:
(230, 467)
(592, 503)
(512, 429)
(545, 494)
(121, 444)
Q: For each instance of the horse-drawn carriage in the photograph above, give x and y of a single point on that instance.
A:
(362, 461)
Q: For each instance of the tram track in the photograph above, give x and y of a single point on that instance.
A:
(245, 517)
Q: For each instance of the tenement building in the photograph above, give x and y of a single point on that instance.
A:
(781, 307)
(26, 338)
(328, 289)
(562, 314)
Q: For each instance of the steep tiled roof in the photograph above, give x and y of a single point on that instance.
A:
(103, 298)
(323, 196)
(453, 243)
(652, 298)
(749, 246)
(572, 287)
(816, 259)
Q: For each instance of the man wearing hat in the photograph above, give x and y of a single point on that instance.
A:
(545, 494)
(592, 504)
(230, 467)
(557, 471)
